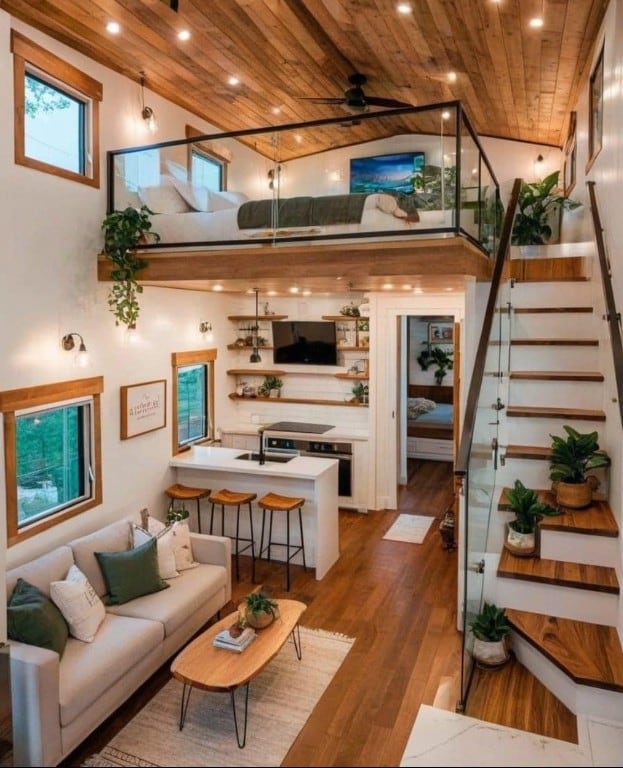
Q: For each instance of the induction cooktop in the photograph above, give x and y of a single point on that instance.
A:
(298, 426)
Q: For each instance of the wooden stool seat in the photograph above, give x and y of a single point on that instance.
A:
(231, 498)
(280, 503)
(275, 502)
(179, 492)
(226, 498)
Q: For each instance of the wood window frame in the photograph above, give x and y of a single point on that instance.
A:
(25, 53)
(15, 400)
(219, 154)
(178, 360)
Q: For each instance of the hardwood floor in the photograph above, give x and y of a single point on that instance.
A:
(398, 601)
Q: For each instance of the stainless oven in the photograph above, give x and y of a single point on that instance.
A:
(343, 452)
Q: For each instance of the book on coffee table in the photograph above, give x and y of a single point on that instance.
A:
(234, 643)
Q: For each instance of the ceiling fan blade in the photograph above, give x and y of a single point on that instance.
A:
(321, 100)
(376, 101)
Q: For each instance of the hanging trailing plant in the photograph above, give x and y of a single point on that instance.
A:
(435, 355)
(124, 231)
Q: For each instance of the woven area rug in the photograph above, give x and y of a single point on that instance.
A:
(281, 698)
(410, 528)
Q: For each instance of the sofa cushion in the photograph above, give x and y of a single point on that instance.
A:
(131, 573)
(82, 609)
(111, 538)
(88, 670)
(34, 619)
(182, 548)
(42, 570)
(186, 595)
(166, 556)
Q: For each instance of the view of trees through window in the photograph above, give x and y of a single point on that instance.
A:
(191, 403)
(50, 457)
(54, 125)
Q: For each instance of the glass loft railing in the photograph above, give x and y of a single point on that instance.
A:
(399, 173)
(477, 459)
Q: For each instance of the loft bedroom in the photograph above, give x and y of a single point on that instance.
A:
(363, 199)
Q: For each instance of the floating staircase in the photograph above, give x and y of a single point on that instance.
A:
(564, 604)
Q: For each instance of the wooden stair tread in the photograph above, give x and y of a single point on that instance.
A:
(590, 654)
(596, 520)
(527, 452)
(597, 578)
(540, 310)
(557, 375)
(535, 411)
(555, 342)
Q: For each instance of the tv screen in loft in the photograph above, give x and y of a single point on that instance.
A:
(380, 173)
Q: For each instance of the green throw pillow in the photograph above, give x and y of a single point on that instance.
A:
(131, 573)
(34, 619)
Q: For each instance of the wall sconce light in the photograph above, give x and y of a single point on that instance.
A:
(147, 113)
(539, 166)
(82, 356)
(274, 177)
(205, 329)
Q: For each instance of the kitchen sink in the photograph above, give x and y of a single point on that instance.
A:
(268, 457)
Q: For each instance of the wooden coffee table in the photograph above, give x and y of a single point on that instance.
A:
(201, 665)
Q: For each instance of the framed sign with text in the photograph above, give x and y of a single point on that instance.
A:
(143, 408)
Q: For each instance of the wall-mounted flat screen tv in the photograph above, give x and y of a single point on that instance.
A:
(381, 173)
(311, 342)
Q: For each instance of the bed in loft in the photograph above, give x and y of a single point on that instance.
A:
(430, 422)
(185, 214)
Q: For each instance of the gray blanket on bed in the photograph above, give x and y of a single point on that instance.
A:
(301, 211)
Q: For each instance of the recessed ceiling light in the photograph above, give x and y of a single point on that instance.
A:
(233, 80)
(407, 287)
(183, 34)
(404, 8)
(536, 22)
(271, 293)
(293, 289)
(276, 110)
(217, 287)
(388, 286)
(445, 115)
(307, 292)
(452, 77)
(298, 138)
(113, 27)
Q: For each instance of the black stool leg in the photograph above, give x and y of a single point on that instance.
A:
(252, 545)
(302, 541)
(211, 518)
(287, 551)
(238, 542)
(199, 515)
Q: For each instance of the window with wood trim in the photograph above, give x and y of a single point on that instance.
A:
(56, 114)
(52, 454)
(207, 162)
(193, 398)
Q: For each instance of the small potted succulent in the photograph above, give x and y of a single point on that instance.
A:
(270, 387)
(528, 510)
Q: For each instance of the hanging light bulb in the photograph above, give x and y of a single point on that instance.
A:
(255, 355)
(147, 113)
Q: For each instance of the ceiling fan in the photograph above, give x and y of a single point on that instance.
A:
(355, 100)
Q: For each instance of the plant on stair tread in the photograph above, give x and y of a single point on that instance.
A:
(570, 461)
(528, 510)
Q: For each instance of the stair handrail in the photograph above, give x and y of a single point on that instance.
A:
(475, 385)
(612, 316)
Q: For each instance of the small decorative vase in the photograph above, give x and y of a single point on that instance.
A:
(491, 653)
(521, 544)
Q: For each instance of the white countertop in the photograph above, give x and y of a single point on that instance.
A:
(336, 433)
(225, 460)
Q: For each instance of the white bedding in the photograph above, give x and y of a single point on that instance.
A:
(201, 226)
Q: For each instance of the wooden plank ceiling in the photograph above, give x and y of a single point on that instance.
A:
(514, 81)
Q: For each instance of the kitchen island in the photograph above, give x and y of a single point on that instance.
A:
(315, 479)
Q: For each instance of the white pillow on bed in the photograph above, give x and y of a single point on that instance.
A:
(204, 199)
(163, 199)
(237, 198)
(416, 406)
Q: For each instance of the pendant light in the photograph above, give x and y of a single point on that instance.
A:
(255, 355)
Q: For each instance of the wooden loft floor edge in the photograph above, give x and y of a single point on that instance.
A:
(568, 268)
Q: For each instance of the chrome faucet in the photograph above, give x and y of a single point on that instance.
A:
(262, 458)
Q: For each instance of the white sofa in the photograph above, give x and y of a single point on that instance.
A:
(58, 701)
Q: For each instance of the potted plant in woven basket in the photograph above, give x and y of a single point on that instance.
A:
(260, 610)
(570, 461)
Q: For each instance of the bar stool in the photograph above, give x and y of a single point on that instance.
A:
(274, 502)
(226, 498)
(179, 492)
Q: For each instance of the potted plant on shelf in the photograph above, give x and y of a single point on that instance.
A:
(571, 459)
(124, 231)
(270, 387)
(260, 610)
(538, 203)
(528, 510)
(491, 632)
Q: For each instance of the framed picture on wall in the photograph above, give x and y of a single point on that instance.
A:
(143, 408)
(440, 333)
(596, 97)
(570, 156)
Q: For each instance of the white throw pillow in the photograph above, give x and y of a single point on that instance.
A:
(164, 538)
(196, 197)
(79, 603)
(181, 547)
(386, 203)
(163, 199)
